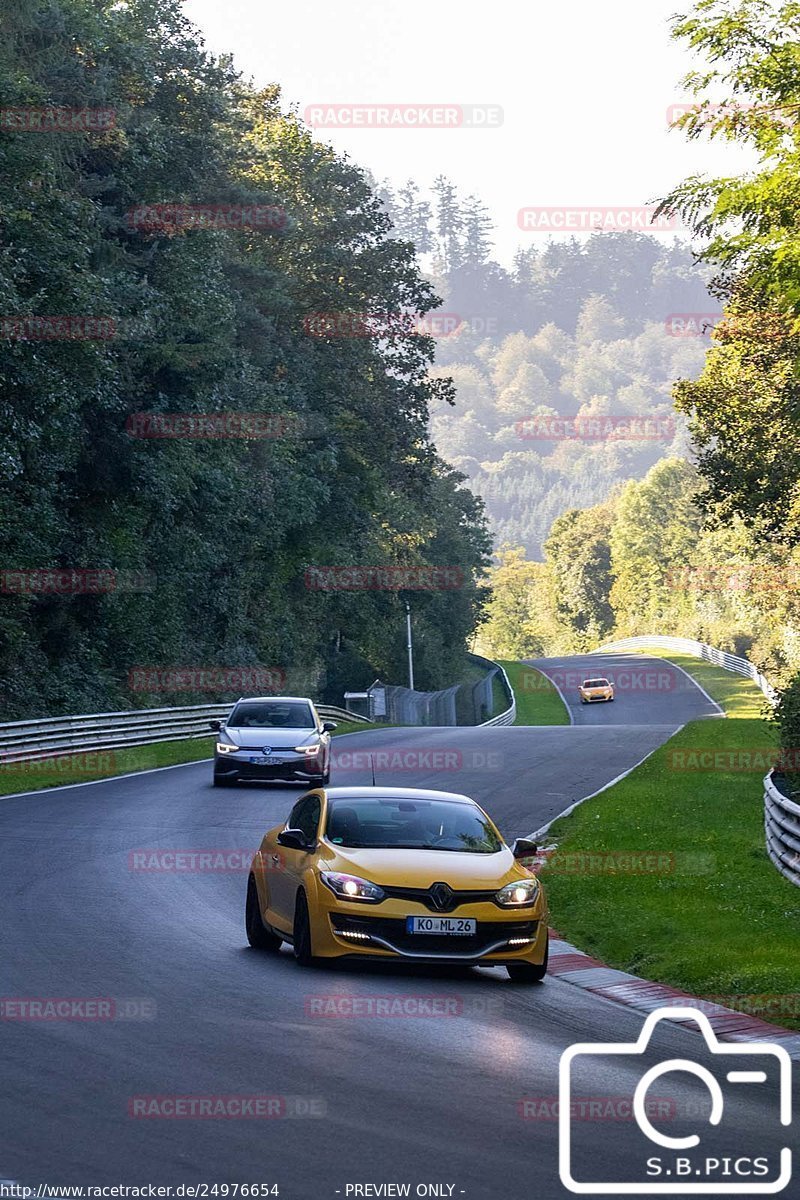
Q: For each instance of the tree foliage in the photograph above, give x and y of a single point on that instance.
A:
(208, 320)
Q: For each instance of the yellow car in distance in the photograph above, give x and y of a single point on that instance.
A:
(594, 690)
(397, 873)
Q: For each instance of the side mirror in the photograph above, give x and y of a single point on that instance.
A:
(215, 725)
(524, 848)
(293, 839)
(328, 726)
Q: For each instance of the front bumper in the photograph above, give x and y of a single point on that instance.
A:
(378, 931)
(299, 768)
(597, 699)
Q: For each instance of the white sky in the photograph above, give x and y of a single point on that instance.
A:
(584, 87)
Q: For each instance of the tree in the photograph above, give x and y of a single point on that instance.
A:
(515, 616)
(578, 552)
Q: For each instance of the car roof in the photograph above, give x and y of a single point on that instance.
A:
(273, 699)
(401, 793)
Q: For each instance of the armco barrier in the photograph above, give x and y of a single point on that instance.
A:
(782, 827)
(509, 715)
(51, 736)
(721, 658)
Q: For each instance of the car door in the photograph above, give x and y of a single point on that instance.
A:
(304, 816)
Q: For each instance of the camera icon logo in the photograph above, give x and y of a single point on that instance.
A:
(684, 1164)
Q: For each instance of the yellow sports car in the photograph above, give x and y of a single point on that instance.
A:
(594, 690)
(397, 873)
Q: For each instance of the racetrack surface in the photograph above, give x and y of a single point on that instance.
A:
(394, 1099)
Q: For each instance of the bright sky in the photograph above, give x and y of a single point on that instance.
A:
(584, 88)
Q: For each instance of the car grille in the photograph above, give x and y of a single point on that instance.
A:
(393, 930)
(437, 902)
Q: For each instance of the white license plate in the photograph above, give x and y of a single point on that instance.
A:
(454, 925)
(265, 760)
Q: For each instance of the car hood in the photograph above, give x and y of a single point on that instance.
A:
(421, 868)
(277, 739)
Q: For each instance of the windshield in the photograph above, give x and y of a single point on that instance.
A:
(383, 823)
(272, 714)
(596, 683)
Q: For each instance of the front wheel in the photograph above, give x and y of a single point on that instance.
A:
(529, 972)
(321, 780)
(302, 932)
(258, 937)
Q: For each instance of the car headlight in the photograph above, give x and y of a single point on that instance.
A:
(521, 894)
(226, 747)
(306, 749)
(350, 887)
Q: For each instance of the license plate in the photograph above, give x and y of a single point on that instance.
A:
(265, 760)
(454, 925)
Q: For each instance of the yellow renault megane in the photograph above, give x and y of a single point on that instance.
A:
(397, 873)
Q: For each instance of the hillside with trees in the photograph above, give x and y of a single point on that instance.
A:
(580, 330)
(203, 318)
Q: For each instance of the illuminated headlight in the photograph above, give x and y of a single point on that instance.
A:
(226, 747)
(350, 887)
(522, 894)
(306, 749)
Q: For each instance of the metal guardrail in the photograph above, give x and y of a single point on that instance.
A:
(509, 716)
(51, 737)
(720, 658)
(782, 828)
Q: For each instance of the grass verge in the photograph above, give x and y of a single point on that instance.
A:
(536, 705)
(104, 764)
(708, 912)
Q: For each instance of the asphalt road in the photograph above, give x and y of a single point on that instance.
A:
(462, 1100)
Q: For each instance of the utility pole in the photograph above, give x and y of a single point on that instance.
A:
(410, 646)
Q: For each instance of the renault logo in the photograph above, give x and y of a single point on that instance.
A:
(441, 896)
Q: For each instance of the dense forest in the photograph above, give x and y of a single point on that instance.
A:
(576, 329)
(160, 254)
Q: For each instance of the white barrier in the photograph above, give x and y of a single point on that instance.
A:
(720, 658)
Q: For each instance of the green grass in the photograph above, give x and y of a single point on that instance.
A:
(538, 702)
(715, 918)
(104, 764)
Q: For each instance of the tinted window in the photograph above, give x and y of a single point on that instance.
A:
(305, 816)
(272, 714)
(596, 683)
(413, 824)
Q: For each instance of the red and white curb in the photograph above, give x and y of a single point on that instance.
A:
(571, 965)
